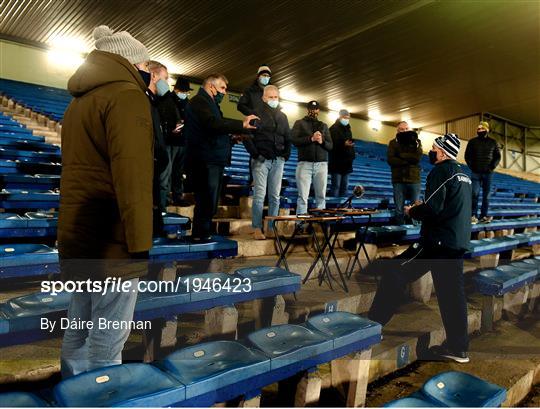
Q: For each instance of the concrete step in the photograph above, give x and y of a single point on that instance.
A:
(508, 357)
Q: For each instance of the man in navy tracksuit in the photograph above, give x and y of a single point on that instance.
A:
(445, 237)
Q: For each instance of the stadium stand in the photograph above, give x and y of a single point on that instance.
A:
(29, 177)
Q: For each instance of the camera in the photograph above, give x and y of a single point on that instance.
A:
(255, 123)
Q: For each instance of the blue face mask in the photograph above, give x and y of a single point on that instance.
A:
(181, 95)
(264, 80)
(273, 103)
(162, 87)
(344, 122)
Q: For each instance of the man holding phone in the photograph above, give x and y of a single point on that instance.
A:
(313, 141)
(209, 148)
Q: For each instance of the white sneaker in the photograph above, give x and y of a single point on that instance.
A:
(474, 220)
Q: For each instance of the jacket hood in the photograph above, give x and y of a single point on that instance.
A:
(102, 68)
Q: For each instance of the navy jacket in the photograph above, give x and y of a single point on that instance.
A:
(207, 132)
(446, 211)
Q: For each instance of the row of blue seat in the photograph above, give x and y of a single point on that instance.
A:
(20, 317)
(453, 389)
(29, 260)
(44, 224)
(213, 372)
(406, 233)
(507, 278)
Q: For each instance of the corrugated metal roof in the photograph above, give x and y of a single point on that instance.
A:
(442, 59)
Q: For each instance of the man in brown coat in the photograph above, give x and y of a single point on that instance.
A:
(105, 216)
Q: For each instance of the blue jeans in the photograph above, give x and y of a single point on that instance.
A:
(83, 349)
(402, 192)
(267, 175)
(482, 180)
(306, 172)
(340, 184)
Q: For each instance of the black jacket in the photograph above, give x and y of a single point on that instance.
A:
(170, 118)
(404, 155)
(446, 211)
(482, 154)
(341, 157)
(207, 132)
(273, 136)
(181, 106)
(251, 100)
(301, 134)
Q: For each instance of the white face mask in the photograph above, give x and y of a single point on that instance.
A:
(181, 95)
(264, 80)
(344, 121)
(273, 103)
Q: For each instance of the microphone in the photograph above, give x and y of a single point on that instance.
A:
(357, 193)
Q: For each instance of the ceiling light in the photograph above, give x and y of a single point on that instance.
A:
(375, 125)
(289, 108)
(404, 109)
(66, 51)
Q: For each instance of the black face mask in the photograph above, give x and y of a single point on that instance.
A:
(313, 114)
(482, 134)
(432, 157)
(145, 76)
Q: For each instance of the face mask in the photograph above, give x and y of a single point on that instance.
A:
(145, 76)
(432, 157)
(482, 133)
(344, 122)
(273, 103)
(313, 114)
(264, 80)
(181, 95)
(219, 97)
(162, 87)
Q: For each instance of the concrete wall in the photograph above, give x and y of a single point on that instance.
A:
(30, 64)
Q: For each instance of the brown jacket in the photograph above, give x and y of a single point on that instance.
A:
(107, 168)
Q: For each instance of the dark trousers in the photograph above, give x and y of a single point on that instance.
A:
(481, 180)
(340, 184)
(207, 182)
(178, 157)
(446, 266)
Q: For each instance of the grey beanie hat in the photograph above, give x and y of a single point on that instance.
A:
(343, 112)
(121, 43)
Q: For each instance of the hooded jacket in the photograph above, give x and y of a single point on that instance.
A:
(309, 151)
(404, 155)
(107, 167)
(446, 211)
(251, 100)
(273, 136)
(207, 132)
(482, 154)
(341, 157)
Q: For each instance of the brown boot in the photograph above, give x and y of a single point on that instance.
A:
(258, 235)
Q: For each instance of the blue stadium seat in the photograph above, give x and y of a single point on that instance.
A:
(21, 400)
(411, 402)
(345, 328)
(125, 385)
(208, 367)
(20, 260)
(263, 277)
(459, 389)
(290, 344)
(503, 279)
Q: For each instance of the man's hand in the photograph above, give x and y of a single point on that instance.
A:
(317, 137)
(349, 142)
(406, 210)
(247, 120)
